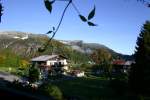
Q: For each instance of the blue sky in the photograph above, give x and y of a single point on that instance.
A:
(119, 21)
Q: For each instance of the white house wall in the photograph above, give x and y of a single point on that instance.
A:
(52, 62)
(80, 74)
(65, 68)
(64, 61)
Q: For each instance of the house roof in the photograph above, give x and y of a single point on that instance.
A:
(44, 57)
(122, 62)
(119, 62)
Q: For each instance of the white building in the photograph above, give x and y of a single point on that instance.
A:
(78, 73)
(50, 62)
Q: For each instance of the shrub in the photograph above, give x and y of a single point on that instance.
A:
(53, 91)
(34, 74)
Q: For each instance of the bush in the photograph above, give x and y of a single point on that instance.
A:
(53, 91)
(34, 74)
(20, 73)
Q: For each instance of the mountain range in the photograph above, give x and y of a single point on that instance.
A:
(26, 45)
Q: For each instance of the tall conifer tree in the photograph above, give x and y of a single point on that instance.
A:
(140, 71)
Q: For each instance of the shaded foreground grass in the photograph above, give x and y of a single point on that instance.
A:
(91, 88)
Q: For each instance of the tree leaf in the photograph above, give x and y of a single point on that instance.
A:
(49, 32)
(148, 5)
(91, 14)
(83, 18)
(52, 1)
(91, 24)
(48, 5)
(53, 28)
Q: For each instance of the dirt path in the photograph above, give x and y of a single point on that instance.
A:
(8, 77)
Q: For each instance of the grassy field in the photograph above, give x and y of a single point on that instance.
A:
(12, 70)
(91, 88)
(8, 69)
(88, 88)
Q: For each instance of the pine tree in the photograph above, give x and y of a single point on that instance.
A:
(140, 72)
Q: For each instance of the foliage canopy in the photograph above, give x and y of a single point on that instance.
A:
(140, 71)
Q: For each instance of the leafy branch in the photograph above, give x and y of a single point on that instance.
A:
(83, 18)
(48, 5)
(145, 2)
(49, 8)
